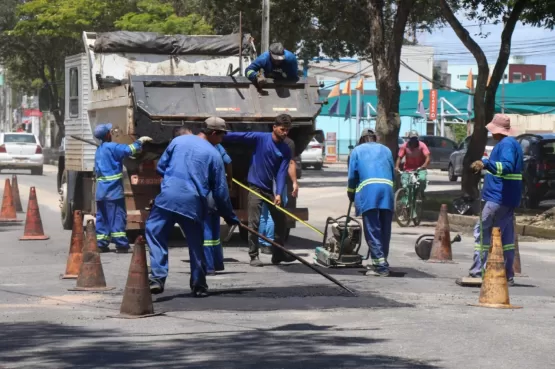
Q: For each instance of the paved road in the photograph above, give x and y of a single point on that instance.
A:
(271, 317)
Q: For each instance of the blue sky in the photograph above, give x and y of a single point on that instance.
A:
(537, 45)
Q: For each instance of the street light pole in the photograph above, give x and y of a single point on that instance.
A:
(265, 38)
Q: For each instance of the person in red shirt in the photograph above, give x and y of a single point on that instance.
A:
(417, 157)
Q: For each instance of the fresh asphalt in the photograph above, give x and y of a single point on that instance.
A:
(271, 317)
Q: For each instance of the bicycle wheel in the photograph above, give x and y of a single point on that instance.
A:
(417, 209)
(402, 207)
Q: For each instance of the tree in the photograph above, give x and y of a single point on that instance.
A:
(509, 12)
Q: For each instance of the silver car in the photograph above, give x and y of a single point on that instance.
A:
(456, 160)
(21, 151)
(313, 155)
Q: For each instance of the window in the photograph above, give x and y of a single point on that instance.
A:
(73, 92)
(517, 77)
(19, 138)
(547, 148)
(446, 144)
(525, 146)
(491, 141)
(463, 77)
(466, 143)
(539, 77)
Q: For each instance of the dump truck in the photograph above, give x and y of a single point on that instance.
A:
(147, 84)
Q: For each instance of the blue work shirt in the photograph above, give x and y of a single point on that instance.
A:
(288, 70)
(108, 167)
(503, 180)
(270, 160)
(192, 168)
(371, 174)
(223, 153)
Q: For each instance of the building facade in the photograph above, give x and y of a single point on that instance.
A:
(519, 73)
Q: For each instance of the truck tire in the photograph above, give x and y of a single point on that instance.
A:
(66, 210)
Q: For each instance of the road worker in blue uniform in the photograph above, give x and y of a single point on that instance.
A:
(191, 169)
(111, 215)
(269, 164)
(502, 192)
(213, 250)
(277, 63)
(370, 187)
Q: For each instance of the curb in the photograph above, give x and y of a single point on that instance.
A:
(470, 221)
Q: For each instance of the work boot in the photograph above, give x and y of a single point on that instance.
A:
(282, 257)
(511, 282)
(255, 262)
(375, 272)
(156, 287)
(199, 292)
(122, 250)
(103, 249)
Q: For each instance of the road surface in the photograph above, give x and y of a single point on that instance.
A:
(271, 317)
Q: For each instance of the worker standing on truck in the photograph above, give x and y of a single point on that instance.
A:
(502, 192)
(191, 168)
(213, 250)
(277, 63)
(266, 227)
(370, 187)
(111, 215)
(269, 163)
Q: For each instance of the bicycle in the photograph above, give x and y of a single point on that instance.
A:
(408, 200)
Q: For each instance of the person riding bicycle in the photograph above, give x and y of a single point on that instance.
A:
(417, 158)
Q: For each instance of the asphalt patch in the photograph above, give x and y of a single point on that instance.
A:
(273, 298)
(393, 273)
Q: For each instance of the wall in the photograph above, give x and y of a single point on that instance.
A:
(526, 72)
(533, 123)
(459, 74)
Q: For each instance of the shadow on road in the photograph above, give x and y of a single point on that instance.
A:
(46, 345)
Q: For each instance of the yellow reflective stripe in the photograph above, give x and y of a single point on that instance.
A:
(250, 72)
(509, 247)
(499, 168)
(118, 234)
(211, 242)
(133, 149)
(350, 190)
(378, 261)
(110, 178)
(510, 177)
(374, 181)
(102, 237)
(482, 248)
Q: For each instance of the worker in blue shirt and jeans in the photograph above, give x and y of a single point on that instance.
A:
(502, 192)
(270, 162)
(277, 63)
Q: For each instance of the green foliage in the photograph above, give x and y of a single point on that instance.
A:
(153, 16)
(459, 131)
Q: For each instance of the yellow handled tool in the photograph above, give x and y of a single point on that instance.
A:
(278, 207)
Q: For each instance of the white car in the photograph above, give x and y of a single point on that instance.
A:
(21, 151)
(313, 155)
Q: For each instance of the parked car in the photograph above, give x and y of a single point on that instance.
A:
(313, 155)
(538, 175)
(455, 168)
(20, 150)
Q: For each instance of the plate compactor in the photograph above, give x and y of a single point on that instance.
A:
(342, 240)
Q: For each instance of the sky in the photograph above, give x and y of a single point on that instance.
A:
(537, 45)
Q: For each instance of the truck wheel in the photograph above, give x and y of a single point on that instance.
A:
(65, 206)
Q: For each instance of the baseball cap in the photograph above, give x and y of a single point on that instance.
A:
(101, 130)
(413, 134)
(216, 124)
(367, 132)
(276, 51)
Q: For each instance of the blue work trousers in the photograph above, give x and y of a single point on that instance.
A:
(159, 226)
(213, 250)
(494, 215)
(111, 221)
(266, 227)
(377, 231)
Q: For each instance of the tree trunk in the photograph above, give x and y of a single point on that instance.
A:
(388, 121)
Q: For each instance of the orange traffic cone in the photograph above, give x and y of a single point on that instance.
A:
(495, 291)
(7, 214)
(137, 300)
(441, 247)
(91, 274)
(15, 195)
(75, 257)
(33, 223)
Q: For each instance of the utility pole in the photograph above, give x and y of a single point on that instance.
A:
(358, 101)
(265, 38)
(503, 94)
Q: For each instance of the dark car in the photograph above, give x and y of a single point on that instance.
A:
(440, 148)
(538, 175)
(456, 160)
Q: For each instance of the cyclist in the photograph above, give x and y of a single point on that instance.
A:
(417, 157)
